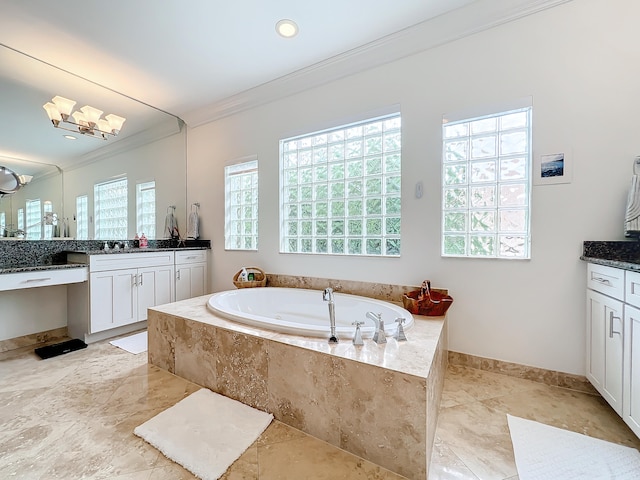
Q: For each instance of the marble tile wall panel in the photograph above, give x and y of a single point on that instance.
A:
(33, 339)
(540, 375)
(380, 291)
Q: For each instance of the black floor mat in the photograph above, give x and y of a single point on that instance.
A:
(60, 348)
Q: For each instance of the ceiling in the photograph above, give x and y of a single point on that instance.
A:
(191, 58)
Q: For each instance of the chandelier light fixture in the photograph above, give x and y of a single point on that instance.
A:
(86, 121)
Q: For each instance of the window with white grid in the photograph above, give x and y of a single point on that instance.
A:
(241, 206)
(146, 209)
(34, 219)
(340, 190)
(82, 217)
(110, 208)
(486, 164)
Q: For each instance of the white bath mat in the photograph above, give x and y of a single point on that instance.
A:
(545, 452)
(205, 432)
(133, 343)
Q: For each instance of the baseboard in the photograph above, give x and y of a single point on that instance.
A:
(540, 375)
(33, 339)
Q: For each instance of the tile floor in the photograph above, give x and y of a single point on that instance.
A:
(72, 417)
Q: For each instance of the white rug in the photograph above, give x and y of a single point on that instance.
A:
(545, 452)
(205, 432)
(133, 343)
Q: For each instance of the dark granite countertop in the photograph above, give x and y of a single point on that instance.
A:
(135, 250)
(617, 254)
(38, 268)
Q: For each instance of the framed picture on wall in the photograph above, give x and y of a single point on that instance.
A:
(552, 168)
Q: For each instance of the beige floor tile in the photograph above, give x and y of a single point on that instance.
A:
(312, 459)
(479, 437)
(73, 417)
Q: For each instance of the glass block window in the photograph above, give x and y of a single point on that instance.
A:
(49, 220)
(146, 209)
(110, 210)
(241, 206)
(34, 219)
(340, 190)
(82, 217)
(21, 219)
(486, 164)
(3, 223)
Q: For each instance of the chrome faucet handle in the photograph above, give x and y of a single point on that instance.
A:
(357, 337)
(327, 295)
(399, 335)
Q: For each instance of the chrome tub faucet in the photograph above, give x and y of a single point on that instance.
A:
(379, 336)
(327, 296)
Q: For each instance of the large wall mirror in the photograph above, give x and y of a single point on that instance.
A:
(63, 172)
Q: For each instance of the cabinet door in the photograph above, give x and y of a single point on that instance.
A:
(183, 282)
(190, 280)
(155, 287)
(631, 403)
(605, 347)
(113, 299)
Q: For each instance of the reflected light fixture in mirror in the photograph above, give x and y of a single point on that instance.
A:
(87, 121)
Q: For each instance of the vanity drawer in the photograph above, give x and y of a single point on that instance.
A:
(632, 288)
(191, 256)
(42, 278)
(117, 261)
(607, 280)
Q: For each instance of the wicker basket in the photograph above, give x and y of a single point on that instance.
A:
(427, 301)
(259, 278)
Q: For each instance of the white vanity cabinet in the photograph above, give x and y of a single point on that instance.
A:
(120, 289)
(631, 383)
(613, 339)
(605, 295)
(191, 273)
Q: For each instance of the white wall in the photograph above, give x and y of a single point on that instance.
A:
(163, 161)
(581, 64)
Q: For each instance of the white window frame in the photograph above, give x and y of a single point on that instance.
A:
(3, 223)
(340, 189)
(241, 204)
(146, 208)
(110, 200)
(20, 221)
(507, 233)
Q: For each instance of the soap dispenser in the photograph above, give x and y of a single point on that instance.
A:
(244, 276)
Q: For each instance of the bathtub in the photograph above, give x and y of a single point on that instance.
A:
(303, 312)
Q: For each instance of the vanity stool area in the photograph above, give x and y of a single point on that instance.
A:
(51, 289)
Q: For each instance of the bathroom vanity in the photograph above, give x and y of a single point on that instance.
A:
(613, 325)
(123, 285)
(88, 293)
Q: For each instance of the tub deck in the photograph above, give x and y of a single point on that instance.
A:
(379, 402)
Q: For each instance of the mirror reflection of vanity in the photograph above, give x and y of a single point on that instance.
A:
(151, 147)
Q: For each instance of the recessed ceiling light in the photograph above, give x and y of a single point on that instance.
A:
(69, 137)
(287, 28)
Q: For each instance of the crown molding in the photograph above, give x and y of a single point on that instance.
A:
(462, 22)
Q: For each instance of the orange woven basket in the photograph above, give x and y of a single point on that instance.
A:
(428, 302)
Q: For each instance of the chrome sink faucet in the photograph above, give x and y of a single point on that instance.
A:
(379, 336)
(327, 296)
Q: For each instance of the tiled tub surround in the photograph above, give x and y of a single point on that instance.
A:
(379, 402)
